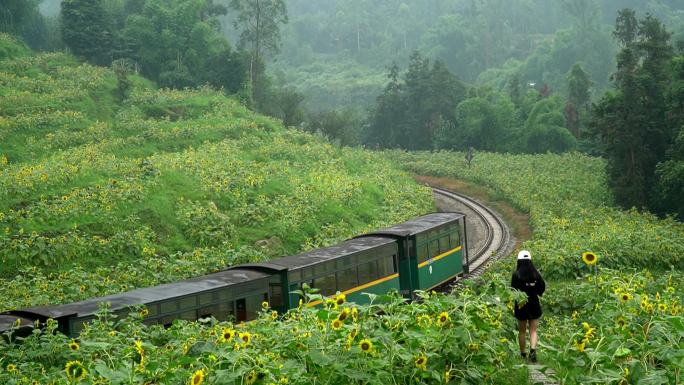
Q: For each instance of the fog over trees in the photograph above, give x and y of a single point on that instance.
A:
(521, 76)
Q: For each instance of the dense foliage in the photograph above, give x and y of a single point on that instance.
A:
(170, 184)
(607, 323)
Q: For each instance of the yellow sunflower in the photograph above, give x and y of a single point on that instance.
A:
(340, 299)
(662, 307)
(246, 337)
(620, 322)
(251, 378)
(344, 314)
(580, 345)
(11, 368)
(366, 345)
(421, 362)
(73, 345)
(625, 297)
(355, 313)
(197, 378)
(227, 335)
(75, 371)
(443, 318)
(144, 312)
(336, 324)
(589, 258)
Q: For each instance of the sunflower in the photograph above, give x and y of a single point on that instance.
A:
(336, 324)
(265, 305)
(580, 345)
(11, 368)
(246, 337)
(366, 345)
(624, 297)
(344, 314)
(73, 345)
(75, 370)
(251, 378)
(443, 318)
(662, 307)
(197, 378)
(620, 322)
(421, 362)
(355, 313)
(473, 347)
(144, 312)
(589, 258)
(227, 334)
(274, 315)
(340, 299)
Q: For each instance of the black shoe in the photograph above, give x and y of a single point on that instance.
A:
(533, 355)
(523, 355)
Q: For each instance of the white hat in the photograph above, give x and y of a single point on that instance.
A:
(524, 254)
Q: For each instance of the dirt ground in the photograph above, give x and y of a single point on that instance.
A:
(516, 220)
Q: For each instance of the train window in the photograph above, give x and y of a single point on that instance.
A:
(226, 294)
(152, 310)
(433, 248)
(188, 302)
(346, 279)
(327, 285)
(420, 238)
(221, 311)
(190, 315)
(386, 266)
(253, 305)
(443, 243)
(423, 253)
(207, 298)
(368, 272)
(295, 276)
(307, 273)
(169, 307)
(455, 239)
(276, 294)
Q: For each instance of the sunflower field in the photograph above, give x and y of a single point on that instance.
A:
(614, 301)
(98, 197)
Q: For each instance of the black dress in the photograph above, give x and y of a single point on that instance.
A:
(534, 288)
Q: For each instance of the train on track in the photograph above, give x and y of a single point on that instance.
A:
(419, 254)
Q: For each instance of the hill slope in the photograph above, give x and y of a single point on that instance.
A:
(98, 196)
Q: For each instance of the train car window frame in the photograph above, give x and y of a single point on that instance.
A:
(423, 254)
(372, 273)
(433, 248)
(444, 244)
(351, 272)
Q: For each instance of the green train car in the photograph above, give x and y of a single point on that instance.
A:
(419, 254)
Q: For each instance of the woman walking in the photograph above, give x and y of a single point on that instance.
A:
(527, 279)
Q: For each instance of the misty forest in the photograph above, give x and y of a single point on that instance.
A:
(145, 142)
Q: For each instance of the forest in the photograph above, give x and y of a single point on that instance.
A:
(522, 76)
(145, 142)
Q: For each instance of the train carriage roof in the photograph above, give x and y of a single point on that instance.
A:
(148, 295)
(349, 247)
(418, 225)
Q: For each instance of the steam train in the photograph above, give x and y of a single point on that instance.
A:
(419, 254)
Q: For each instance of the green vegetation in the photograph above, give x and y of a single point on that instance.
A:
(168, 184)
(632, 304)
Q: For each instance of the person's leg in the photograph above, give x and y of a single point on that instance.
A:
(522, 326)
(533, 333)
(533, 339)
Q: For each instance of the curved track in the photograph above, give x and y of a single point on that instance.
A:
(489, 238)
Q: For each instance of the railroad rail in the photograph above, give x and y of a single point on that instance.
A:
(497, 240)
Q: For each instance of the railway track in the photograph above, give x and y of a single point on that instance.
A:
(494, 239)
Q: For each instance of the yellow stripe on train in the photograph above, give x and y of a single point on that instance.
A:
(361, 287)
(437, 258)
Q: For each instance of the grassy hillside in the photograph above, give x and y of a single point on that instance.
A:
(97, 197)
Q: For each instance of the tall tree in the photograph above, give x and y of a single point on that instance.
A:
(14, 13)
(260, 22)
(579, 86)
(631, 122)
(86, 30)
